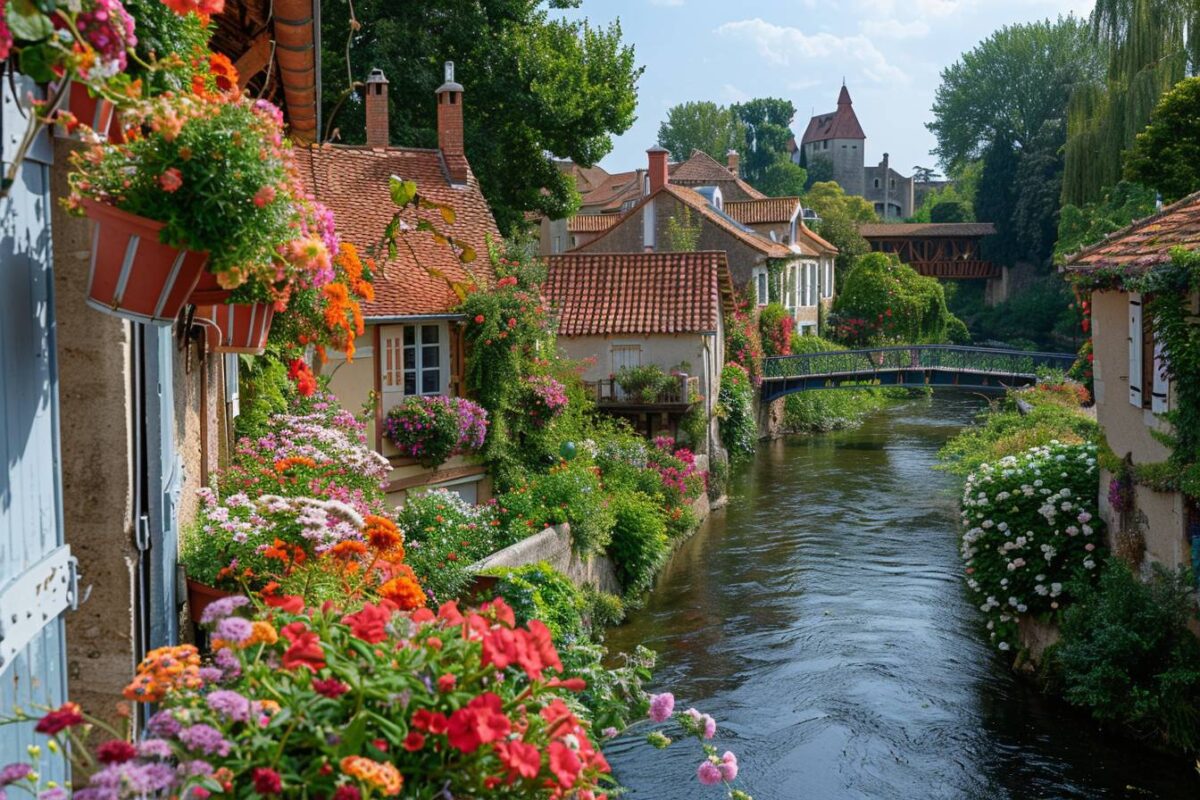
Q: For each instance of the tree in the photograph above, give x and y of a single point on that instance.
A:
(535, 87)
(820, 170)
(1166, 156)
(1009, 87)
(768, 130)
(924, 174)
(1080, 226)
(950, 211)
(683, 232)
(783, 179)
(840, 214)
(886, 301)
(995, 200)
(702, 126)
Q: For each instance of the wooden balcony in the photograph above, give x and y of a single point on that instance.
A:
(680, 395)
(957, 269)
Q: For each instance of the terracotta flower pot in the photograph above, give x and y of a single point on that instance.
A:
(95, 112)
(200, 596)
(134, 275)
(236, 327)
(208, 292)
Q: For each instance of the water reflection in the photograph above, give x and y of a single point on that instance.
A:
(820, 618)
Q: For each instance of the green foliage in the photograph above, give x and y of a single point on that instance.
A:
(1166, 155)
(1127, 656)
(767, 122)
(683, 232)
(639, 545)
(570, 493)
(604, 610)
(718, 477)
(819, 169)
(1005, 431)
(950, 211)
(536, 84)
(161, 33)
(1031, 539)
(821, 411)
(264, 390)
(694, 426)
(645, 382)
(443, 537)
(840, 215)
(883, 300)
(743, 344)
(1175, 327)
(1044, 313)
(538, 591)
(783, 178)
(1080, 226)
(739, 430)
(615, 696)
(775, 330)
(704, 126)
(958, 194)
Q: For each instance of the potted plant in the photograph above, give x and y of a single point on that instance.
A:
(645, 384)
(205, 183)
(432, 429)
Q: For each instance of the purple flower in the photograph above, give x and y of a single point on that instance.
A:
(708, 773)
(57, 793)
(164, 724)
(229, 704)
(211, 675)
(233, 629)
(154, 748)
(219, 609)
(661, 706)
(194, 768)
(14, 772)
(204, 739)
(227, 661)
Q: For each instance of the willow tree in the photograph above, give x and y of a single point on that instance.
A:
(1151, 46)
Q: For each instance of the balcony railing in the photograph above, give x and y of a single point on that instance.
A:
(680, 393)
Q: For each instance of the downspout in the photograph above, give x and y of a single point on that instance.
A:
(295, 35)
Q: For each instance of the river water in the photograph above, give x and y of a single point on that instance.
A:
(822, 620)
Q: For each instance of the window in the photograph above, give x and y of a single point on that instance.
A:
(825, 145)
(626, 355)
(556, 245)
(827, 280)
(416, 360)
(759, 277)
(877, 183)
(811, 269)
(893, 183)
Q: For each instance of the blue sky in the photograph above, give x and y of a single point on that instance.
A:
(890, 52)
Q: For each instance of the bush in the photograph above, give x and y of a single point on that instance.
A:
(444, 536)
(1127, 656)
(538, 591)
(718, 477)
(569, 493)
(645, 383)
(604, 609)
(775, 327)
(884, 301)
(432, 429)
(639, 545)
(1031, 536)
(1006, 432)
(739, 430)
(834, 409)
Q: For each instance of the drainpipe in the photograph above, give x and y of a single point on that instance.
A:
(295, 35)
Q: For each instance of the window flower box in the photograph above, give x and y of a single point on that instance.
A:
(432, 429)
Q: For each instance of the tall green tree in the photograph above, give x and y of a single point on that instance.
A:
(768, 130)
(783, 179)
(701, 125)
(1166, 156)
(840, 214)
(1149, 45)
(535, 87)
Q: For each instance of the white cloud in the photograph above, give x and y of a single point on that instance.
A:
(786, 46)
(734, 94)
(895, 29)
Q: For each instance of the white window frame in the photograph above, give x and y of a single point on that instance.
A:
(1135, 349)
(392, 365)
(762, 289)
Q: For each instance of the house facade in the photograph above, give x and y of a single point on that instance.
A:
(1132, 390)
(413, 340)
(798, 272)
(635, 309)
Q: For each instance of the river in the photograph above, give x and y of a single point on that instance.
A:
(822, 620)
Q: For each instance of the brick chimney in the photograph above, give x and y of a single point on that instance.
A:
(660, 176)
(450, 126)
(734, 162)
(377, 109)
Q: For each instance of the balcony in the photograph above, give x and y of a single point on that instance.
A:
(680, 394)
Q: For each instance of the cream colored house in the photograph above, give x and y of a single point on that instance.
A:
(413, 343)
(1131, 389)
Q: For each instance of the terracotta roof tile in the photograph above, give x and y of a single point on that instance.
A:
(729, 225)
(840, 124)
(612, 192)
(817, 240)
(592, 223)
(638, 293)
(882, 230)
(1147, 242)
(759, 212)
(353, 182)
(701, 169)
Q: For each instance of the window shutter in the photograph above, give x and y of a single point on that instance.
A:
(1160, 399)
(1135, 349)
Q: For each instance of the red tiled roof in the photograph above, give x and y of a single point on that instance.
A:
(701, 169)
(840, 124)
(1147, 242)
(638, 293)
(592, 223)
(353, 183)
(612, 192)
(760, 212)
(735, 229)
(826, 247)
(931, 230)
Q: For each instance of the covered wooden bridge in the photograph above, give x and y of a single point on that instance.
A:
(947, 250)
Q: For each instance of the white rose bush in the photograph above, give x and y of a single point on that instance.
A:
(1031, 534)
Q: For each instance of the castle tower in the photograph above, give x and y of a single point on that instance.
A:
(839, 138)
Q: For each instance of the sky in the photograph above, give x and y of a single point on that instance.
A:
(890, 53)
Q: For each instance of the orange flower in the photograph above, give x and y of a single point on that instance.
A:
(384, 536)
(285, 464)
(404, 591)
(347, 551)
(380, 775)
(261, 632)
(165, 669)
(224, 73)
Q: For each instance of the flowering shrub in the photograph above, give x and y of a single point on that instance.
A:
(743, 345)
(739, 430)
(676, 467)
(714, 770)
(432, 429)
(883, 300)
(329, 316)
(1031, 533)
(444, 536)
(350, 706)
(775, 328)
(570, 493)
(548, 398)
(645, 383)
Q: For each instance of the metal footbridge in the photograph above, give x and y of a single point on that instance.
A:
(937, 366)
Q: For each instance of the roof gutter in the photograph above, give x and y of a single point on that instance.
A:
(402, 318)
(296, 33)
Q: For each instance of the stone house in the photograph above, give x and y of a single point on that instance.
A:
(1131, 390)
(891, 193)
(798, 272)
(634, 309)
(413, 344)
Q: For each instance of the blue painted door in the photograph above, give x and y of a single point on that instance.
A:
(32, 554)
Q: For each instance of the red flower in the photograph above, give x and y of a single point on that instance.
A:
(305, 650)
(331, 688)
(171, 180)
(432, 721)
(115, 751)
(67, 715)
(564, 763)
(479, 319)
(414, 741)
(520, 759)
(267, 781)
(447, 682)
(347, 793)
(482, 721)
(370, 624)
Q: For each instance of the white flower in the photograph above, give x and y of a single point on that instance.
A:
(1003, 645)
(1089, 564)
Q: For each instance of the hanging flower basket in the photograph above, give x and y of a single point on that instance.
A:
(208, 292)
(133, 275)
(95, 112)
(199, 597)
(236, 327)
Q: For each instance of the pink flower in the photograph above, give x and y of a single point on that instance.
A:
(708, 773)
(661, 706)
(728, 767)
(171, 180)
(264, 196)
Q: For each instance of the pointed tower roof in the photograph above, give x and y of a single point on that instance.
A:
(840, 124)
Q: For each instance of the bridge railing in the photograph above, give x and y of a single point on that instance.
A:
(917, 357)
